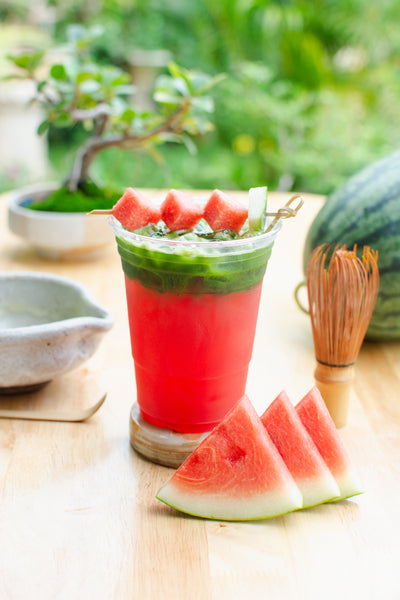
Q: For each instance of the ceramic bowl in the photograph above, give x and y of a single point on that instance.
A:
(49, 325)
(53, 235)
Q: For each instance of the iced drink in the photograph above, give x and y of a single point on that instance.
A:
(192, 308)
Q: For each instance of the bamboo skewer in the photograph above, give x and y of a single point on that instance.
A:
(100, 211)
(282, 213)
(286, 211)
(342, 290)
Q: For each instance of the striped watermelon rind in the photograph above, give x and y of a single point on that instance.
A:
(366, 211)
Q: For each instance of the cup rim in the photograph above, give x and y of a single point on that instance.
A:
(260, 240)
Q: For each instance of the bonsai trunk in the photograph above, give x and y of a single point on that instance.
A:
(80, 169)
(96, 144)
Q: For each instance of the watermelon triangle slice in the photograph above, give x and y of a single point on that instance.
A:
(134, 211)
(299, 452)
(180, 211)
(223, 212)
(235, 474)
(316, 419)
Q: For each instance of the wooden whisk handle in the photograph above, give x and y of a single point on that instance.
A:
(334, 383)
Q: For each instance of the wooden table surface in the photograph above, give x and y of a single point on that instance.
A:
(78, 514)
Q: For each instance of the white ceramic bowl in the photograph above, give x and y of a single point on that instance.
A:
(49, 325)
(56, 235)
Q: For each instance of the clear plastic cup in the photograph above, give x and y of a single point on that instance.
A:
(192, 310)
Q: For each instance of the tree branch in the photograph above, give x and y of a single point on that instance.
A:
(101, 110)
(98, 143)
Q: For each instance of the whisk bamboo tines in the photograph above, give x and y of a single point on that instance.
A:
(342, 290)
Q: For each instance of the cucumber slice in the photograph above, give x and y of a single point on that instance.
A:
(258, 198)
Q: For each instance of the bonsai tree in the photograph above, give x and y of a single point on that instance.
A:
(99, 97)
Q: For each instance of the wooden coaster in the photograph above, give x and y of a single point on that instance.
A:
(161, 446)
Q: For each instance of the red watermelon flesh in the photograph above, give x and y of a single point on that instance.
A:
(316, 419)
(180, 211)
(134, 211)
(299, 452)
(223, 212)
(235, 474)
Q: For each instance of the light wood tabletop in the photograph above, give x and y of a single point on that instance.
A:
(78, 514)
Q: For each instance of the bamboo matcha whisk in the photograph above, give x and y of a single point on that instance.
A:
(342, 290)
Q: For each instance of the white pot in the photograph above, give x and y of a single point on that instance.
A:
(56, 235)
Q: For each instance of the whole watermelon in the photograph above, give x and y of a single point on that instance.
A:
(366, 211)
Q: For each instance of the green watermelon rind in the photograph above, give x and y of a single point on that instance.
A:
(250, 504)
(345, 495)
(366, 211)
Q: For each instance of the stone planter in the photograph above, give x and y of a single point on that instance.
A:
(57, 236)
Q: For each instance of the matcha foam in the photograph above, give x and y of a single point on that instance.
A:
(191, 264)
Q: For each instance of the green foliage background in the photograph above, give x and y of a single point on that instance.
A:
(311, 95)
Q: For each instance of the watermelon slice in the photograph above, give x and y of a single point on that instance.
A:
(223, 212)
(316, 419)
(235, 474)
(180, 211)
(134, 211)
(299, 452)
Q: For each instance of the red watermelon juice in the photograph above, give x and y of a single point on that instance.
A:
(192, 308)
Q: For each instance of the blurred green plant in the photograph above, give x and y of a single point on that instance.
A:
(311, 95)
(80, 91)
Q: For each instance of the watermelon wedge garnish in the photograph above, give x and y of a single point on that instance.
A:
(134, 211)
(236, 473)
(223, 212)
(316, 419)
(180, 211)
(299, 452)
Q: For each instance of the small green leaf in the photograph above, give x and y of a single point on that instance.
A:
(189, 144)
(89, 86)
(125, 90)
(29, 61)
(88, 74)
(165, 83)
(117, 105)
(43, 127)
(175, 70)
(63, 119)
(167, 98)
(128, 115)
(168, 136)
(198, 81)
(58, 72)
(181, 86)
(121, 79)
(204, 103)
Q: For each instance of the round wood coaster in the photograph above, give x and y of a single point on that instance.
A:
(162, 446)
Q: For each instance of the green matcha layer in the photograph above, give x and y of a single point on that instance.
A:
(198, 268)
